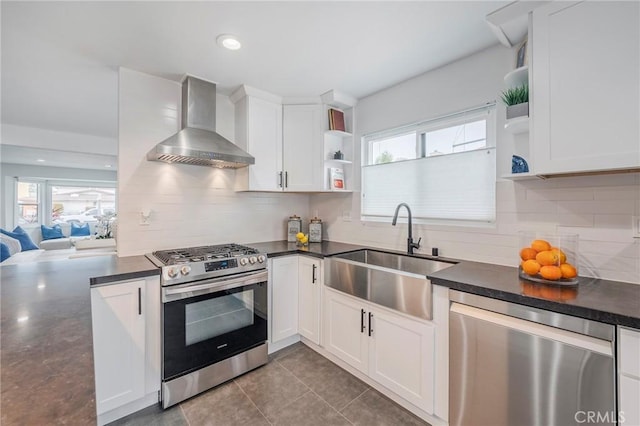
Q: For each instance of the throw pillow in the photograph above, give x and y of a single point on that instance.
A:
(4, 252)
(25, 240)
(12, 243)
(78, 230)
(51, 233)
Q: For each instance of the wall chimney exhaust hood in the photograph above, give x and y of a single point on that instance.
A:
(198, 143)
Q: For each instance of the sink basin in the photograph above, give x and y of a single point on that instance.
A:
(393, 280)
(399, 262)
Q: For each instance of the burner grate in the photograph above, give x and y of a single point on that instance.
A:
(199, 254)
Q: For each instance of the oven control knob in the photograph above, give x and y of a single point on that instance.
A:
(253, 259)
(261, 258)
(185, 270)
(243, 261)
(172, 272)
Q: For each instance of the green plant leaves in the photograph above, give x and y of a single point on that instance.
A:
(516, 95)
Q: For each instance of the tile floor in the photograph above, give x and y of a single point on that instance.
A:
(298, 387)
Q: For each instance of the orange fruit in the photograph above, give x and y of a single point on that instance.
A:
(568, 270)
(528, 253)
(551, 273)
(540, 245)
(561, 256)
(530, 267)
(547, 257)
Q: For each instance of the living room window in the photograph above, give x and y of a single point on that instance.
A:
(28, 203)
(445, 169)
(73, 203)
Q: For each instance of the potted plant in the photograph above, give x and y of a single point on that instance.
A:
(517, 101)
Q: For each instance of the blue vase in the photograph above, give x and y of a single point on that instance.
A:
(519, 165)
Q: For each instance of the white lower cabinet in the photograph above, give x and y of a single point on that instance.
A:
(126, 346)
(283, 280)
(309, 285)
(392, 349)
(629, 376)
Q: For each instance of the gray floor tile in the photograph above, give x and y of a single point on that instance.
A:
(271, 387)
(373, 408)
(225, 405)
(154, 415)
(308, 410)
(333, 384)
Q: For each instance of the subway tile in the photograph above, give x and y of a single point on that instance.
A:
(555, 194)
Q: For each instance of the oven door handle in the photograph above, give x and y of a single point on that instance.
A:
(211, 286)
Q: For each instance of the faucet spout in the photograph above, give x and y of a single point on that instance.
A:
(410, 244)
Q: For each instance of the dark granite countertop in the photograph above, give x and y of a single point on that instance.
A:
(46, 347)
(323, 249)
(606, 301)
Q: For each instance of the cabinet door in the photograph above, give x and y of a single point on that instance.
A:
(309, 284)
(259, 132)
(628, 400)
(118, 343)
(586, 86)
(401, 356)
(345, 331)
(284, 297)
(303, 147)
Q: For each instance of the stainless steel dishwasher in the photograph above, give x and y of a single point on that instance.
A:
(511, 364)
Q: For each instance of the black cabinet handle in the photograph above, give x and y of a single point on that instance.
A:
(361, 320)
(370, 324)
(280, 179)
(139, 300)
(313, 274)
(286, 179)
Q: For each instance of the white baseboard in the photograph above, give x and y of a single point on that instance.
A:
(130, 408)
(281, 344)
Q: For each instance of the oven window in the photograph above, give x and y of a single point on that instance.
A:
(213, 317)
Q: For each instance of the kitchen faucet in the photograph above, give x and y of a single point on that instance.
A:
(410, 244)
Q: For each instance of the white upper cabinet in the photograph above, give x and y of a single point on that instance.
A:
(302, 152)
(258, 122)
(585, 87)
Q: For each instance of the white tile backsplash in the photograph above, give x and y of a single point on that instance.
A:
(599, 211)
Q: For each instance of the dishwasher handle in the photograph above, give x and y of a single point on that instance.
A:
(589, 343)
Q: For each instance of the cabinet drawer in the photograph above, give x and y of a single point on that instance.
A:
(629, 352)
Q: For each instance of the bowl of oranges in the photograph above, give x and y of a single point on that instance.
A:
(549, 258)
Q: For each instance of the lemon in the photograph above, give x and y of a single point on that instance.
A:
(304, 239)
(299, 235)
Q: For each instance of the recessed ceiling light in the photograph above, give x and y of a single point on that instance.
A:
(228, 41)
(40, 160)
(108, 166)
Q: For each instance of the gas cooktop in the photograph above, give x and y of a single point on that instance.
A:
(203, 253)
(189, 264)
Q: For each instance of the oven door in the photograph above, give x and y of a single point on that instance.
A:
(208, 321)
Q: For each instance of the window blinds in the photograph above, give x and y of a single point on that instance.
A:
(452, 187)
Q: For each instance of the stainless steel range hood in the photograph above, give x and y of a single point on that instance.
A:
(198, 143)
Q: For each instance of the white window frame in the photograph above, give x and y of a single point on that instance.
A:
(487, 111)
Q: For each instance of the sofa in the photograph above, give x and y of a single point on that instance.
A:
(36, 247)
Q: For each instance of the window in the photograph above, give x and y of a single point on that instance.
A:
(444, 169)
(28, 203)
(81, 203)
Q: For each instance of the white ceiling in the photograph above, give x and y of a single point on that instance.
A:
(60, 59)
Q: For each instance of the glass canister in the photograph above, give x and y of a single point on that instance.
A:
(549, 258)
(294, 225)
(315, 230)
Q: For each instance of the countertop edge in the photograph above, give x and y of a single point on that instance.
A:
(549, 305)
(125, 276)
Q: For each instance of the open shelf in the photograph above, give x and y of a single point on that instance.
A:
(337, 133)
(333, 160)
(517, 125)
(519, 176)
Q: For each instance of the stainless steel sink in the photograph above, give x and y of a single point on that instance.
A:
(393, 280)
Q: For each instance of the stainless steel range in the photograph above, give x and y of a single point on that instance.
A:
(214, 316)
